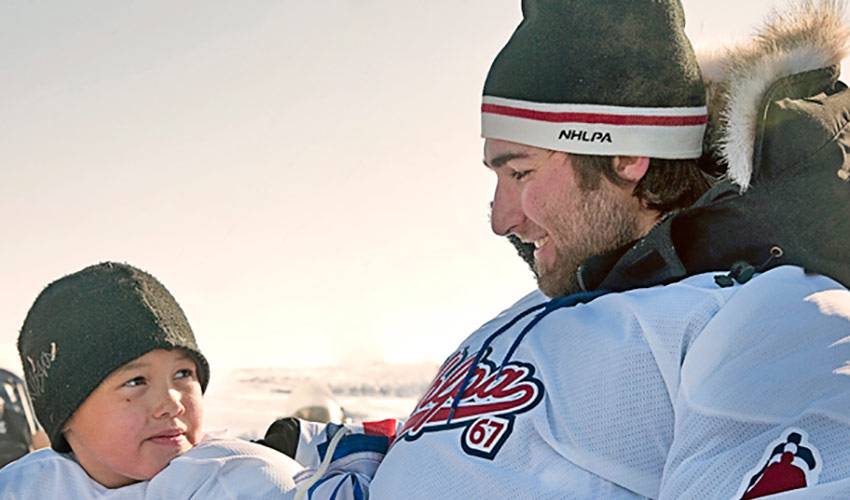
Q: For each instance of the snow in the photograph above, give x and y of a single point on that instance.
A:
(245, 401)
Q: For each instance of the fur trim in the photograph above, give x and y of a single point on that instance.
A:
(810, 35)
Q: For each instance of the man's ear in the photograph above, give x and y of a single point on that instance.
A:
(631, 168)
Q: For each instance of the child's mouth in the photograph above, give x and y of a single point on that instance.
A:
(169, 438)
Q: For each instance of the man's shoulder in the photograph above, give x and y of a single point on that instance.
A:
(691, 302)
(786, 283)
(781, 306)
(530, 299)
(780, 336)
(775, 289)
(787, 298)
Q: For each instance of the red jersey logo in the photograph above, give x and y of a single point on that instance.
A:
(789, 463)
(490, 400)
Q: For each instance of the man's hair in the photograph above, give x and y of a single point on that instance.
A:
(667, 186)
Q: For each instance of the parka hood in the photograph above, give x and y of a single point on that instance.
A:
(779, 134)
(809, 36)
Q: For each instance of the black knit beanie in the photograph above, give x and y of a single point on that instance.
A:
(86, 325)
(612, 77)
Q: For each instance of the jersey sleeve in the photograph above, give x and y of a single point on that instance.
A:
(342, 460)
(764, 402)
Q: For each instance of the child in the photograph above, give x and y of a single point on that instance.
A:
(116, 379)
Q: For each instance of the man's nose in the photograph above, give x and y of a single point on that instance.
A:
(505, 210)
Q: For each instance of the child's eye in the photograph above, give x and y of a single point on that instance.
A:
(135, 382)
(185, 373)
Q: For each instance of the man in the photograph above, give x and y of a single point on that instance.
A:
(676, 348)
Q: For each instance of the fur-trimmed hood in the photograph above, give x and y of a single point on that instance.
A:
(809, 36)
(780, 129)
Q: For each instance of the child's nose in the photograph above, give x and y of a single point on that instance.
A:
(170, 404)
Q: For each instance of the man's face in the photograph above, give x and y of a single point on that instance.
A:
(138, 419)
(539, 200)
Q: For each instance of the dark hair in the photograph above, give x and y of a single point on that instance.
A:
(668, 184)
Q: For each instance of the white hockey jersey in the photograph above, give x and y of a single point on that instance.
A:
(220, 469)
(681, 391)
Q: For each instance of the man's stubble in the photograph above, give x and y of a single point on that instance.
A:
(602, 222)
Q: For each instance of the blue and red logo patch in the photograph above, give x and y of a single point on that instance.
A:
(789, 463)
(491, 400)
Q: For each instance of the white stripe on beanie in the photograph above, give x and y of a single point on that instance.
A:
(657, 132)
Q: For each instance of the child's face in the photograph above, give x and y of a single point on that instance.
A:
(139, 418)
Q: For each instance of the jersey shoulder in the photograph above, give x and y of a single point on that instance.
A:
(529, 301)
(777, 347)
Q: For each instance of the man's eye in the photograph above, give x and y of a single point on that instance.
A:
(519, 174)
(185, 373)
(135, 382)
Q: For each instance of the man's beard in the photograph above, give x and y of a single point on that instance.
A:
(525, 251)
(602, 223)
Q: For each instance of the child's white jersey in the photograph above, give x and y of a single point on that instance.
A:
(681, 391)
(214, 469)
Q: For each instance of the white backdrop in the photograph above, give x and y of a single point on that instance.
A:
(305, 177)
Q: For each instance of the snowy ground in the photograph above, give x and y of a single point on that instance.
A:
(246, 401)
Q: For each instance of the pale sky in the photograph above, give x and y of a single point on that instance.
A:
(305, 177)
